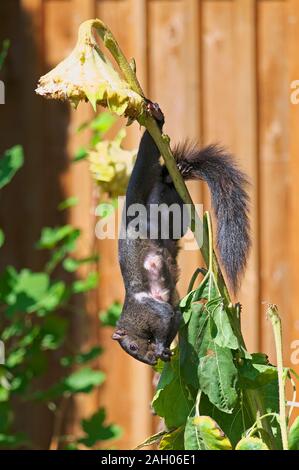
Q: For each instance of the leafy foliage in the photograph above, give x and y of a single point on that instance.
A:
(111, 315)
(213, 391)
(36, 312)
(10, 163)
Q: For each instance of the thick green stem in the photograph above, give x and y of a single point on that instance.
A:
(276, 325)
(111, 44)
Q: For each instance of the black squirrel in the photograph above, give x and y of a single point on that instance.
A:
(150, 317)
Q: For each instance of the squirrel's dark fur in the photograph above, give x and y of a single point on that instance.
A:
(151, 316)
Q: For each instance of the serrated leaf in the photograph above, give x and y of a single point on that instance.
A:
(96, 430)
(223, 334)
(10, 163)
(203, 433)
(173, 402)
(217, 376)
(251, 443)
(193, 342)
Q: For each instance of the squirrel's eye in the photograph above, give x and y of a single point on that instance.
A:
(133, 347)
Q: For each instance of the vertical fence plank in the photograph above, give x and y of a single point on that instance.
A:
(28, 18)
(292, 343)
(131, 408)
(229, 113)
(245, 102)
(78, 182)
(274, 160)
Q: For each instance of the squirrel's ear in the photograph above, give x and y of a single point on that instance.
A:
(118, 334)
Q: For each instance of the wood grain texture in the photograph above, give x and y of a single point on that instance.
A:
(229, 117)
(174, 81)
(291, 344)
(273, 86)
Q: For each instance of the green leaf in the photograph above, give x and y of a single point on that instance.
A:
(173, 440)
(67, 203)
(203, 433)
(172, 400)
(251, 443)
(83, 380)
(217, 378)
(72, 264)
(11, 441)
(27, 289)
(111, 315)
(103, 122)
(15, 357)
(4, 394)
(53, 331)
(233, 425)
(2, 238)
(85, 285)
(30, 292)
(80, 154)
(52, 299)
(255, 375)
(30, 335)
(14, 329)
(51, 236)
(96, 430)
(10, 163)
(293, 437)
(206, 290)
(82, 358)
(193, 342)
(222, 332)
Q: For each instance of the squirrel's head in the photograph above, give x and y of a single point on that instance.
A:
(146, 330)
(143, 348)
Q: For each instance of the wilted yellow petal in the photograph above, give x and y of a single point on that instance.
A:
(111, 166)
(86, 74)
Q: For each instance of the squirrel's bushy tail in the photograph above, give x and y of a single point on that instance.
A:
(230, 202)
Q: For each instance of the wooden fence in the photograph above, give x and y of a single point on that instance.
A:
(222, 72)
